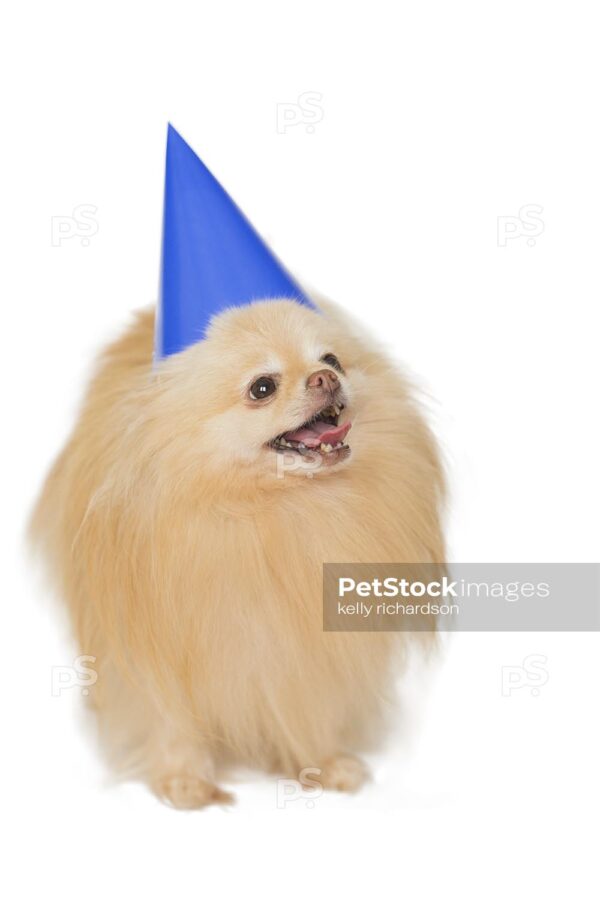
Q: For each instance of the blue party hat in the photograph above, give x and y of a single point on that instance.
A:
(212, 258)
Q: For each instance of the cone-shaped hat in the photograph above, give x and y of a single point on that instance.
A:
(212, 257)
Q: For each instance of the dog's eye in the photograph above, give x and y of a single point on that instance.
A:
(331, 360)
(262, 387)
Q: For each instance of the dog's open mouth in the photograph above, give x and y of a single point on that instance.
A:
(320, 435)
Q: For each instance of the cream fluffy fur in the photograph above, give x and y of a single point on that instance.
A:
(193, 571)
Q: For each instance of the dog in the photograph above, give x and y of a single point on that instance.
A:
(186, 524)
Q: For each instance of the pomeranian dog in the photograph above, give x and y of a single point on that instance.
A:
(186, 524)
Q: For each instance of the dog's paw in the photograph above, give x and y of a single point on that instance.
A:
(189, 792)
(344, 773)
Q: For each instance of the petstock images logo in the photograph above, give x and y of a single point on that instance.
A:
(461, 597)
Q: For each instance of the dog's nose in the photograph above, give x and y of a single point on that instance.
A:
(324, 379)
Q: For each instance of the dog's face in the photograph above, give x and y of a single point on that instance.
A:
(273, 387)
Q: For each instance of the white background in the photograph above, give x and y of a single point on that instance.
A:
(433, 120)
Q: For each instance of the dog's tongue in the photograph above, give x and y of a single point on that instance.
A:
(319, 433)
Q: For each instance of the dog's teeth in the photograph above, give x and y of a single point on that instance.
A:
(326, 448)
(302, 446)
